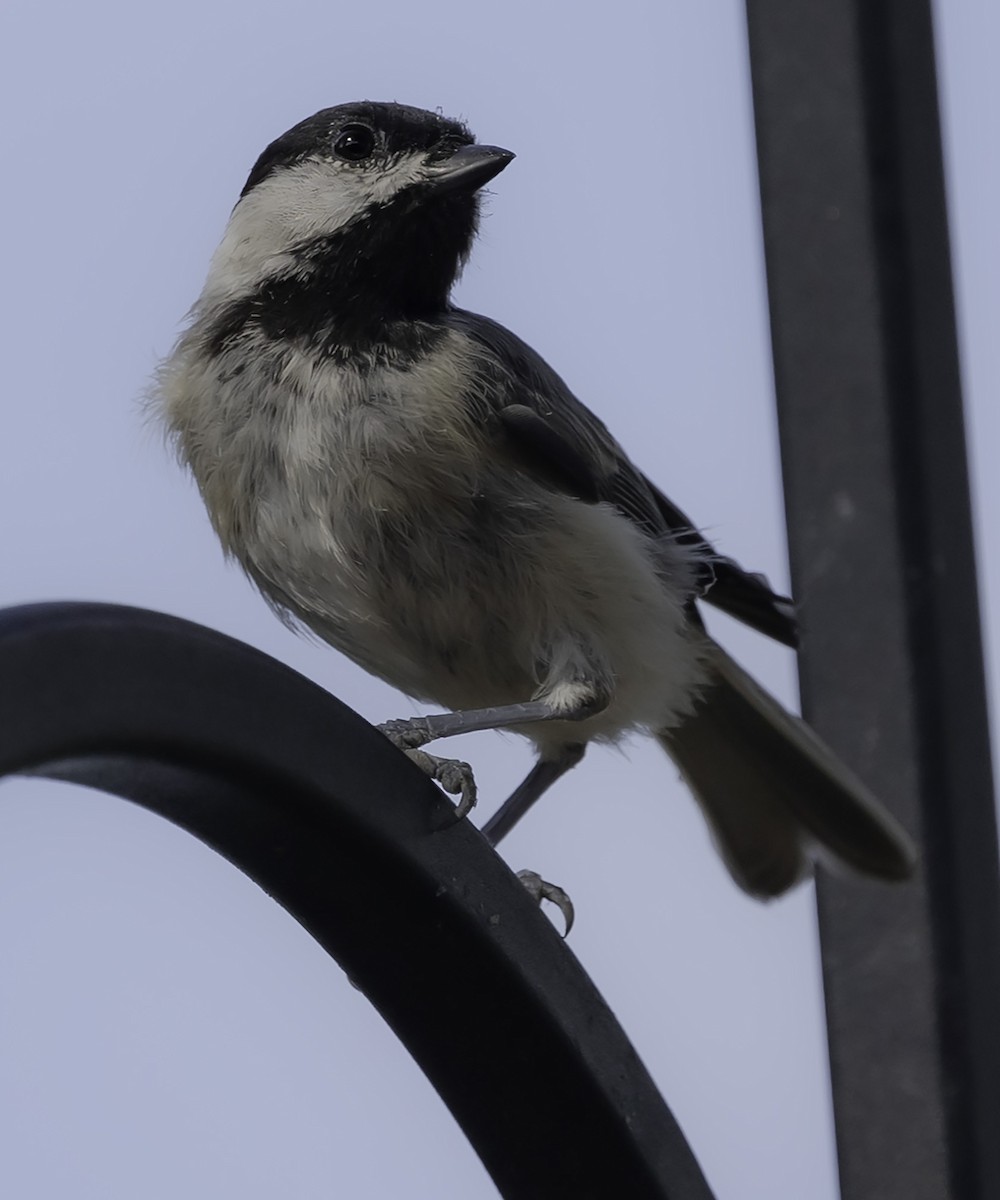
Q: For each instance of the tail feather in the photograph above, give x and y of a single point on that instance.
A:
(771, 790)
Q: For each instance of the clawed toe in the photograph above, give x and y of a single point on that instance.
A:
(540, 890)
(455, 777)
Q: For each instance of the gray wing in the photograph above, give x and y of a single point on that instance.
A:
(559, 440)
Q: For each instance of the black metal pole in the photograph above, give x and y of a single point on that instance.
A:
(873, 449)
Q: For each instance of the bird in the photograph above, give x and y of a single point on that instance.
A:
(415, 485)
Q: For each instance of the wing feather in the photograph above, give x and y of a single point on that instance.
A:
(557, 439)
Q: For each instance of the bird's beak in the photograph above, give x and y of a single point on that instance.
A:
(467, 169)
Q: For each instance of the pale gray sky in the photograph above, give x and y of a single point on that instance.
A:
(166, 1029)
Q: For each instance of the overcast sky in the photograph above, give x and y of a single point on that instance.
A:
(165, 1029)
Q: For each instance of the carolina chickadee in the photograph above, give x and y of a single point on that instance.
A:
(418, 487)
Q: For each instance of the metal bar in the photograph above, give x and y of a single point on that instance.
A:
(342, 830)
(876, 487)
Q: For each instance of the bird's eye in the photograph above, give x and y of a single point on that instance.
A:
(354, 143)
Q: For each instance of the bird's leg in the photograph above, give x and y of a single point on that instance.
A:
(567, 701)
(538, 780)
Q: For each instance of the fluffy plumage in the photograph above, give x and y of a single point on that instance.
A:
(417, 486)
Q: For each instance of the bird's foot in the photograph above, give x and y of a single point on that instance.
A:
(539, 890)
(455, 777)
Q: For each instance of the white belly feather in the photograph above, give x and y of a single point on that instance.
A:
(373, 510)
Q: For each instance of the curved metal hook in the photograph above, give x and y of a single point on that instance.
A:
(318, 808)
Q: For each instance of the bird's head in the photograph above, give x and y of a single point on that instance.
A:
(362, 211)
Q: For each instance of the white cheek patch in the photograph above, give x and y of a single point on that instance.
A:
(293, 206)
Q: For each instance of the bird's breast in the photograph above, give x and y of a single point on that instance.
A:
(380, 439)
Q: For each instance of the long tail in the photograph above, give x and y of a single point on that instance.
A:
(773, 792)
